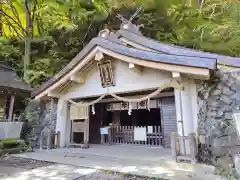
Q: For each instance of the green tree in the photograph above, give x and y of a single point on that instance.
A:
(61, 28)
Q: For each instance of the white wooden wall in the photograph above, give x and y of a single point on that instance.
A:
(126, 80)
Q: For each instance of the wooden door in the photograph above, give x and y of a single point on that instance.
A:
(169, 119)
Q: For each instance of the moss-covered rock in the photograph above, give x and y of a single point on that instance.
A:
(12, 143)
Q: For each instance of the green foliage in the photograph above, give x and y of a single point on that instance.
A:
(61, 28)
(10, 143)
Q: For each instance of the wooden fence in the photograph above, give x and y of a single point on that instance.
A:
(184, 148)
(125, 135)
(49, 140)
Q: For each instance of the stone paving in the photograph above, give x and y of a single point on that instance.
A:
(158, 169)
(12, 168)
(29, 169)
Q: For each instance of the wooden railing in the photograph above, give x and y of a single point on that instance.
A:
(49, 140)
(184, 148)
(125, 135)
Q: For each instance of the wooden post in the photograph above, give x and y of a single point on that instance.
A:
(193, 147)
(41, 140)
(49, 140)
(102, 139)
(58, 140)
(86, 132)
(110, 135)
(173, 145)
(10, 113)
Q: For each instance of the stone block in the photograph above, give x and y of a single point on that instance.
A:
(213, 102)
(220, 86)
(234, 87)
(211, 113)
(226, 99)
(228, 91)
(226, 162)
(231, 82)
(214, 108)
(216, 92)
(224, 77)
(226, 109)
(201, 125)
(228, 116)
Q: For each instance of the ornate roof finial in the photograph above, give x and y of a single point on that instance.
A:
(127, 23)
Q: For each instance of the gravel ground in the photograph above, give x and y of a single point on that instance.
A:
(108, 175)
(26, 164)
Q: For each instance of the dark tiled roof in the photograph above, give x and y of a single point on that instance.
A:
(9, 79)
(207, 63)
(177, 50)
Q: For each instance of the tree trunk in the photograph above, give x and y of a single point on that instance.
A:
(28, 38)
(1, 24)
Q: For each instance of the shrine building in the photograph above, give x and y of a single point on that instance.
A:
(124, 88)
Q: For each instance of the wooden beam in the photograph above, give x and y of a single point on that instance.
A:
(201, 73)
(53, 94)
(77, 79)
(99, 56)
(176, 75)
(67, 77)
(10, 112)
(131, 65)
(136, 68)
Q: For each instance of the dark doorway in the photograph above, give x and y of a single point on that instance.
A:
(141, 117)
(96, 122)
(103, 118)
(78, 137)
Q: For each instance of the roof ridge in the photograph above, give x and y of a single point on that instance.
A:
(177, 50)
(177, 46)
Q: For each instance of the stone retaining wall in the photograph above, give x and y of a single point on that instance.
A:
(218, 99)
(41, 115)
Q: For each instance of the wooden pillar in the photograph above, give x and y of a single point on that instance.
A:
(193, 147)
(41, 140)
(173, 145)
(11, 105)
(5, 113)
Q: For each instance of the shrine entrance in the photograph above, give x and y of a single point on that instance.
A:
(113, 123)
(141, 127)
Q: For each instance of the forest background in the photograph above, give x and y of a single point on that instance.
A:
(39, 37)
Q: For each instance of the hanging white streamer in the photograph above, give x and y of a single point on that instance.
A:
(148, 104)
(93, 109)
(172, 83)
(130, 109)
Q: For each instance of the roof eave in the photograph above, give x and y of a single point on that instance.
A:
(177, 50)
(132, 52)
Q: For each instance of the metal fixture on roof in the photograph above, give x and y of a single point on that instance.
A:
(104, 33)
(127, 23)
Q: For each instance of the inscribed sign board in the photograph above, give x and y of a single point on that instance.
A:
(104, 131)
(140, 134)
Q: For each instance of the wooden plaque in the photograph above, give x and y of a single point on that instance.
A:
(106, 73)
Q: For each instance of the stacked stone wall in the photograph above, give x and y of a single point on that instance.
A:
(218, 100)
(40, 115)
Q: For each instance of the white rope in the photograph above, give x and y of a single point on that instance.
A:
(87, 104)
(172, 83)
(146, 97)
